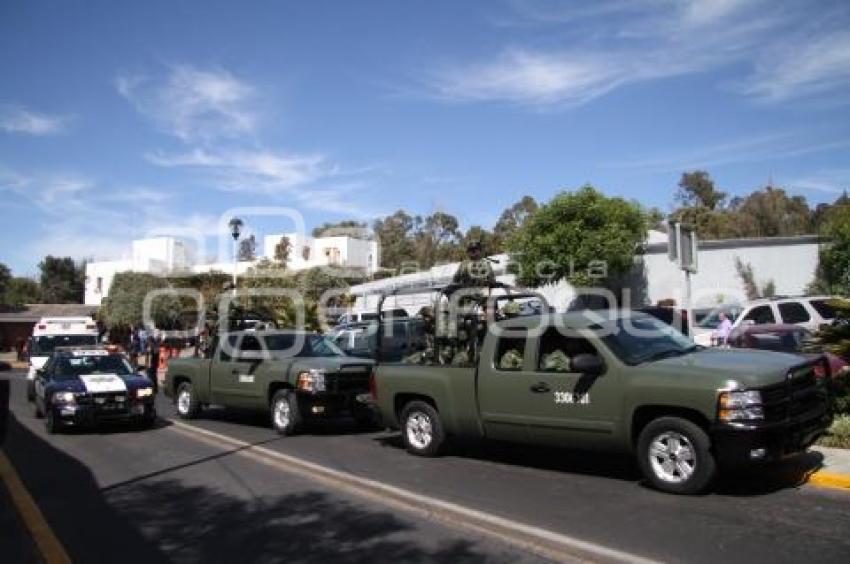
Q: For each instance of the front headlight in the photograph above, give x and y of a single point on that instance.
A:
(64, 397)
(739, 406)
(311, 381)
(144, 392)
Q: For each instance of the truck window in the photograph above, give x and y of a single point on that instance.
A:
(760, 315)
(556, 351)
(824, 309)
(510, 352)
(793, 312)
(250, 348)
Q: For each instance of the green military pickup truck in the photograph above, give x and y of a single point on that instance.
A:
(294, 376)
(628, 383)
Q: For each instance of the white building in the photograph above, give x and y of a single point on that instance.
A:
(167, 255)
(308, 252)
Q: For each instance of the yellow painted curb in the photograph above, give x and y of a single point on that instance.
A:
(827, 480)
(45, 539)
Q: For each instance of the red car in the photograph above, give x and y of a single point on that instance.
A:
(782, 338)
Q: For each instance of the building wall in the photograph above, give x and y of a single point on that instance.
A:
(99, 277)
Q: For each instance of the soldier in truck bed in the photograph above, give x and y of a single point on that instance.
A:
(475, 270)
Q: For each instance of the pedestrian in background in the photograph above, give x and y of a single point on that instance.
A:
(721, 335)
(153, 364)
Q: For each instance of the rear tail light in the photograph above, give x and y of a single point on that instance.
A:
(373, 388)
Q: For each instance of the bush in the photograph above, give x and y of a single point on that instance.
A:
(841, 393)
(839, 434)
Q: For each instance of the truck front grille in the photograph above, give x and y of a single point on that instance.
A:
(799, 395)
(350, 379)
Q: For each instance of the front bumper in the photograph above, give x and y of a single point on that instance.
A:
(742, 444)
(89, 416)
(331, 405)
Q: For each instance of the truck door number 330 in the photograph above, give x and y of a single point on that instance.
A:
(572, 398)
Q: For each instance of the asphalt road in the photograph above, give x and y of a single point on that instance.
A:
(157, 495)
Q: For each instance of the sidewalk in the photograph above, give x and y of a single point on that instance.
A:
(835, 472)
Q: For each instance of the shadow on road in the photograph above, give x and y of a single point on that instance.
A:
(760, 480)
(160, 517)
(318, 427)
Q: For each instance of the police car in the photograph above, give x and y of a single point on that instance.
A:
(82, 387)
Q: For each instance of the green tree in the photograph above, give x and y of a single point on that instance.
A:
(489, 242)
(512, 218)
(696, 188)
(282, 251)
(348, 227)
(5, 277)
(395, 235)
(833, 273)
(62, 280)
(21, 290)
(748, 279)
(247, 249)
(436, 239)
(577, 235)
(771, 212)
(124, 306)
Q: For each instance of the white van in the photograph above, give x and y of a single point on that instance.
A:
(52, 332)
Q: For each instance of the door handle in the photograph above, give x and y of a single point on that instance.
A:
(540, 388)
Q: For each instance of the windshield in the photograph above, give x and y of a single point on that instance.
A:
(313, 346)
(637, 340)
(43, 346)
(71, 367)
(712, 320)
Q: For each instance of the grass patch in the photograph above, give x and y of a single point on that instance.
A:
(838, 435)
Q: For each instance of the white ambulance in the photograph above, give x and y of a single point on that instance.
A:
(52, 332)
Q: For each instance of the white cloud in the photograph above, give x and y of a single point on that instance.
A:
(15, 119)
(758, 148)
(194, 104)
(609, 45)
(46, 191)
(803, 68)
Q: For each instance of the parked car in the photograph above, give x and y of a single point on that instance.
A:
(809, 312)
(293, 376)
(629, 383)
(86, 386)
(781, 338)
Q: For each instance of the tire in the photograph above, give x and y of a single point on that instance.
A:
(421, 429)
(146, 422)
(50, 424)
(285, 416)
(186, 403)
(675, 455)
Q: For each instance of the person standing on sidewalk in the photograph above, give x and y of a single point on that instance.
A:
(153, 364)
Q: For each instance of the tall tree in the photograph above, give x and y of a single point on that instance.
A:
(436, 239)
(489, 242)
(20, 291)
(248, 249)
(513, 218)
(5, 278)
(833, 273)
(282, 251)
(576, 237)
(696, 188)
(62, 280)
(771, 212)
(125, 305)
(395, 235)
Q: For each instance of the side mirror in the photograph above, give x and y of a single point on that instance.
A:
(589, 364)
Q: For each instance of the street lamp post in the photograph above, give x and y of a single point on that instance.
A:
(235, 229)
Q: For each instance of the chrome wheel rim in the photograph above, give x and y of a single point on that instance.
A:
(419, 430)
(184, 400)
(672, 457)
(282, 414)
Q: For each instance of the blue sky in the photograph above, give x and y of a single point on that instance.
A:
(124, 119)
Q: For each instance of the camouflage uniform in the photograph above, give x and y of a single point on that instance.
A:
(511, 360)
(555, 361)
(475, 273)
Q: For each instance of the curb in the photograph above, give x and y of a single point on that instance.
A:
(830, 480)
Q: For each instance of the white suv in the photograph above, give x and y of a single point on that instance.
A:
(809, 312)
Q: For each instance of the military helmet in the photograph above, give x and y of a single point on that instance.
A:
(473, 245)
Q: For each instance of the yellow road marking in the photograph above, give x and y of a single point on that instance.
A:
(827, 480)
(45, 539)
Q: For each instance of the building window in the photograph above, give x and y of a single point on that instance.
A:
(98, 286)
(305, 253)
(333, 255)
